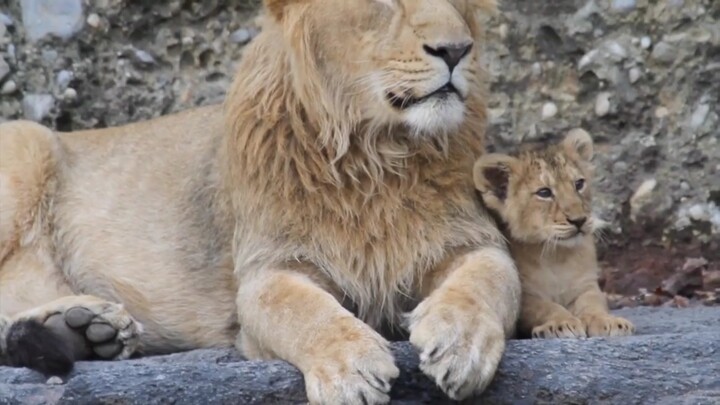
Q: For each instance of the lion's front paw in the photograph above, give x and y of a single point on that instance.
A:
(564, 327)
(608, 325)
(459, 351)
(352, 372)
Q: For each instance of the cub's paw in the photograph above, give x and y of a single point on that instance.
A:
(458, 350)
(357, 371)
(608, 325)
(565, 327)
(100, 329)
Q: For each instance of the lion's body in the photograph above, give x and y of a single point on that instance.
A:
(543, 198)
(266, 222)
(132, 219)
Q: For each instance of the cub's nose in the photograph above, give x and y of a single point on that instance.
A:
(578, 222)
(452, 54)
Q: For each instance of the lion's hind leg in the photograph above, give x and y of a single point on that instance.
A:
(51, 337)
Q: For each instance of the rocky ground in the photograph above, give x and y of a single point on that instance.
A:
(673, 359)
(640, 75)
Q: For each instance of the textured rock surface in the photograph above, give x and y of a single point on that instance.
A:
(674, 359)
(640, 75)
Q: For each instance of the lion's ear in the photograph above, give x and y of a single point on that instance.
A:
(277, 7)
(492, 174)
(578, 142)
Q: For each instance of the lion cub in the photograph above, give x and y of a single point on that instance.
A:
(542, 200)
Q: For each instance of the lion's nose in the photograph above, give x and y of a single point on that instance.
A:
(452, 54)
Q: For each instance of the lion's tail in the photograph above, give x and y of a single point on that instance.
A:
(28, 343)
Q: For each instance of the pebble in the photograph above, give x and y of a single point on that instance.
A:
(623, 5)
(4, 68)
(63, 78)
(698, 212)
(143, 57)
(634, 74)
(93, 20)
(6, 20)
(684, 185)
(602, 104)
(549, 110)
(661, 112)
(54, 380)
(37, 106)
(699, 115)
(241, 36)
(61, 18)
(641, 196)
(645, 42)
(664, 52)
(8, 88)
(70, 94)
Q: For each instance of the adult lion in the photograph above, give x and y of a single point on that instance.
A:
(336, 180)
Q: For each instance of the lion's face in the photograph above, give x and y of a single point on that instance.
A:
(542, 195)
(390, 62)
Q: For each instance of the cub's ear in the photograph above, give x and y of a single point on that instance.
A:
(492, 174)
(580, 143)
(276, 8)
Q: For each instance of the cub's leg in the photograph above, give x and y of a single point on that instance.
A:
(542, 318)
(591, 307)
(49, 338)
(284, 314)
(461, 327)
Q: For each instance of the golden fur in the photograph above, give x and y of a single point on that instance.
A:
(327, 197)
(543, 198)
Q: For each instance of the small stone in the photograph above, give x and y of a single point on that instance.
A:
(699, 115)
(698, 213)
(63, 78)
(93, 20)
(641, 197)
(70, 94)
(602, 104)
(61, 18)
(587, 59)
(8, 88)
(623, 5)
(143, 57)
(187, 40)
(6, 20)
(503, 31)
(664, 52)
(241, 36)
(645, 42)
(684, 186)
(37, 106)
(549, 110)
(634, 74)
(536, 69)
(4, 68)
(54, 380)
(661, 112)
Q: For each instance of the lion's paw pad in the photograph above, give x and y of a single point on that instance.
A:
(104, 330)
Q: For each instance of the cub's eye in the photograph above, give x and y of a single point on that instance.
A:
(544, 193)
(579, 184)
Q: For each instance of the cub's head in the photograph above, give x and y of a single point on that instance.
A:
(410, 63)
(542, 195)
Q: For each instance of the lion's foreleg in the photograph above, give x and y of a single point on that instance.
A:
(461, 327)
(287, 315)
